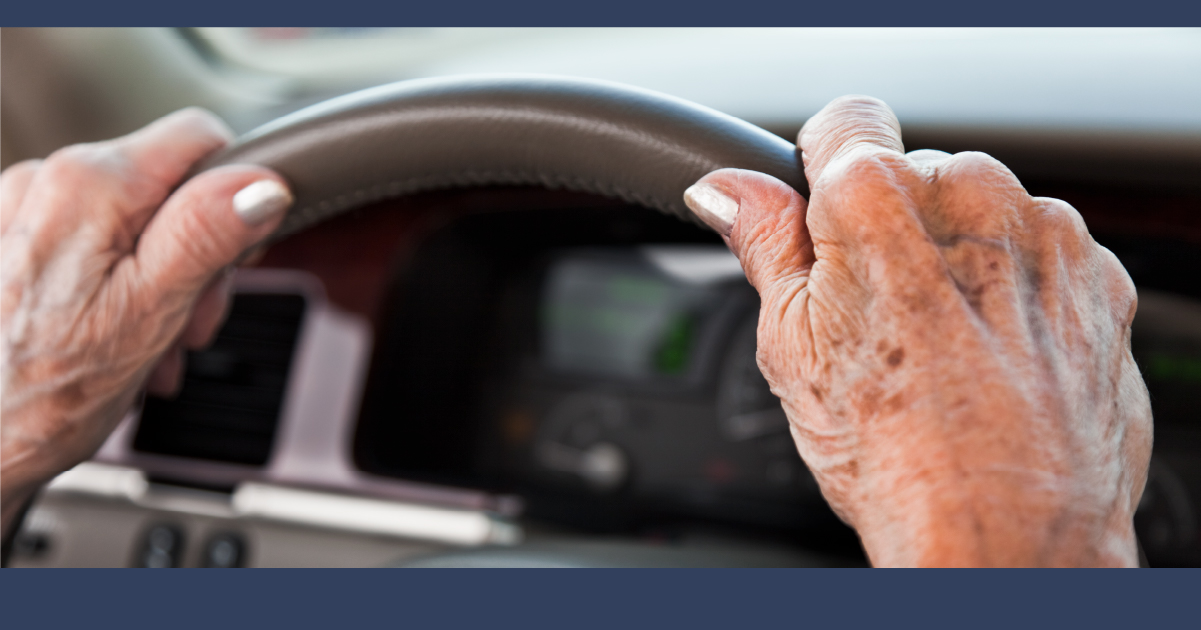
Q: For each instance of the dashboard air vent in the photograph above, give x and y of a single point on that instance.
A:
(232, 394)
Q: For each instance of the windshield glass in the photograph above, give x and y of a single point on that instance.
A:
(1068, 78)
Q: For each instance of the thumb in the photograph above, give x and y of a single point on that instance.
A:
(762, 219)
(206, 225)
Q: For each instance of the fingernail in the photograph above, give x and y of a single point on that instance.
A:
(261, 201)
(713, 206)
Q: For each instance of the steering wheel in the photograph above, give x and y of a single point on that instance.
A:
(597, 137)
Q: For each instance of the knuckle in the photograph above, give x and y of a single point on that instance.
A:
(80, 165)
(863, 196)
(105, 171)
(928, 157)
(1057, 218)
(24, 168)
(979, 176)
(979, 165)
(204, 123)
(975, 194)
(861, 164)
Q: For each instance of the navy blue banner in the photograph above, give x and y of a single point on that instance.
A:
(607, 13)
(669, 598)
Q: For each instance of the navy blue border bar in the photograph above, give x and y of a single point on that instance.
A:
(602, 13)
(601, 599)
(669, 598)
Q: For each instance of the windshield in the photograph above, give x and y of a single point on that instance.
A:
(1068, 78)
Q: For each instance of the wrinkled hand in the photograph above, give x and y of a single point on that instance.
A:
(107, 272)
(953, 354)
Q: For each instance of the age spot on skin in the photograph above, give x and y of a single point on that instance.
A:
(72, 395)
(894, 403)
(896, 356)
(817, 393)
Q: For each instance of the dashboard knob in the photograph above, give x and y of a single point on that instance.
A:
(604, 466)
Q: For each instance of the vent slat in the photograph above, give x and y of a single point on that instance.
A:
(228, 408)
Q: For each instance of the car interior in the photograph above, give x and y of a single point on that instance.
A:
(489, 333)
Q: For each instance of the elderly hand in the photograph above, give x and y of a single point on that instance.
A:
(953, 354)
(109, 271)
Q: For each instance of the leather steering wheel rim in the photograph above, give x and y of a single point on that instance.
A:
(592, 136)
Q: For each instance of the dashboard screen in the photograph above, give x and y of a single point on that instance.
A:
(606, 314)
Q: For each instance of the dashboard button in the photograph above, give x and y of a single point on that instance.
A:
(224, 551)
(162, 547)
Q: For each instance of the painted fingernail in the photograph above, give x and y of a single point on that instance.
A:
(261, 201)
(713, 206)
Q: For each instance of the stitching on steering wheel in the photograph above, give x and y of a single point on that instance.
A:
(313, 213)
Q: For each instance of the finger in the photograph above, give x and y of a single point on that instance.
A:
(973, 216)
(159, 155)
(205, 226)
(14, 182)
(845, 125)
(763, 219)
(975, 195)
(167, 376)
(1061, 264)
(168, 147)
(104, 193)
(928, 157)
(864, 214)
(209, 313)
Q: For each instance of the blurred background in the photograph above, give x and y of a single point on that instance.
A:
(1079, 95)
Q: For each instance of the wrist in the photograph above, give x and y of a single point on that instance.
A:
(24, 469)
(931, 519)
